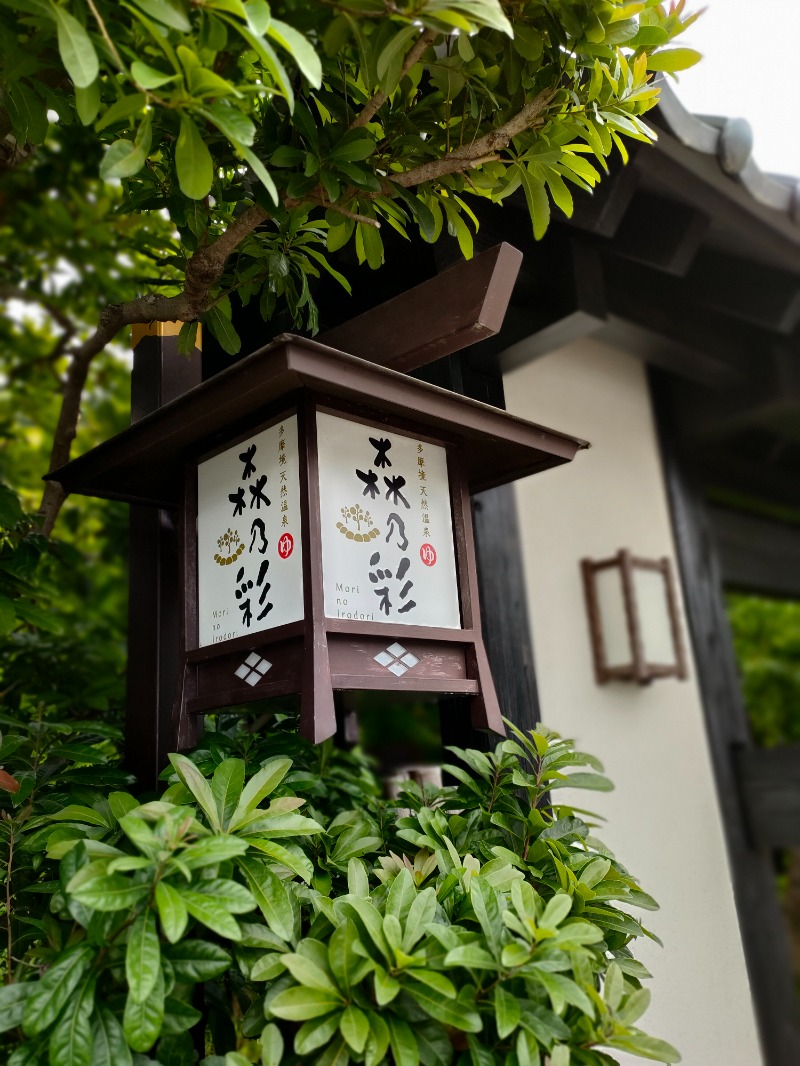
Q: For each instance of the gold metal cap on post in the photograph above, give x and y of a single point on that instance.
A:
(162, 329)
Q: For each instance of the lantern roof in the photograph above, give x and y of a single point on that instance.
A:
(145, 463)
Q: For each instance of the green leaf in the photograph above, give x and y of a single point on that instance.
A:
(559, 1055)
(142, 956)
(221, 328)
(420, 914)
(672, 59)
(76, 48)
(266, 54)
(111, 892)
(195, 170)
(395, 50)
(125, 158)
(646, 1047)
(71, 1041)
(28, 114)
(306, 972)
(434, 980)
(149, 77)
(198, 786)
(614, 986)
(403, 1042)
(126, 106)
(187, 338)
(299, 1004)
(472, 956)
(316, 1032)
(386, 987)
(142, 1021)
(270, 895)
(226, 788)
(230, 121)
(55, 989)
(168, 12)
(197, 960)
(347, 964)
(456, 1015)
(507, 1012)
(12, 1004)
(208, 851)
(584, 779)
(87, 102)
(401, 896)
(179, 1017)
(299, 864)
(354, 1027)
(258, 15)
(299, 48)
(109, 1047)
(537, 200)
(634, 1006)
(261, 785)
(75, 812)
(271, 1046)
(211, 914)
(595, 872)
(556, 911)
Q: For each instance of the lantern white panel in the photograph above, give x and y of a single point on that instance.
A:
(387, 526)
(650, 591)
(249, 546)
(613, 619)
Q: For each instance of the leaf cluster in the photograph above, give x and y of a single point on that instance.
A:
(473, 924)
(347, 116)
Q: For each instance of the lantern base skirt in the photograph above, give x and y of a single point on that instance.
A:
(295, 659)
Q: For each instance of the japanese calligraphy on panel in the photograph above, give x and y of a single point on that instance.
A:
(387, 526)
(249, 552)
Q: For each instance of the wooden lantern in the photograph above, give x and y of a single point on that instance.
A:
(326, 533)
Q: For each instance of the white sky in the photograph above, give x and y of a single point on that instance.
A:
(749, 70)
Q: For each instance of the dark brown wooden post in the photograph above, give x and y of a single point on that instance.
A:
(159, 375)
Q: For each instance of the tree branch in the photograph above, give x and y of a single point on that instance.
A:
(202, 271)
(379, 99)
(482, 150)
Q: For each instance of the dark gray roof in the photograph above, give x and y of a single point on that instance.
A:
(731, 141)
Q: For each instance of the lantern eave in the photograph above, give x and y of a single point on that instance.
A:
(145, 463)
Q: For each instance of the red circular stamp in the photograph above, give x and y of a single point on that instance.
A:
(428, 554)
(285, 545)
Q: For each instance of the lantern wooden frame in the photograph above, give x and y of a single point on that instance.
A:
(638, 669)
(155, 461)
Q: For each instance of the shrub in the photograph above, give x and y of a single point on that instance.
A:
(291, 915)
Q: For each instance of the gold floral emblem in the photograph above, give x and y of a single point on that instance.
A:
(358, 517)
(230, 548)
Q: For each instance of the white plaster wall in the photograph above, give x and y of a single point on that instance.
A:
(663, 817)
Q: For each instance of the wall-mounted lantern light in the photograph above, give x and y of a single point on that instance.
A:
(633, 619)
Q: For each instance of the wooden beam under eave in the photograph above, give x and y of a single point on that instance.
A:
(661, 233)
(746, 290)
(460, 306)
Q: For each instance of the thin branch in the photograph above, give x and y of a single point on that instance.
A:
(424, 40)
(347, 213)
(482, 150)
(203, 270)
(106, 37)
